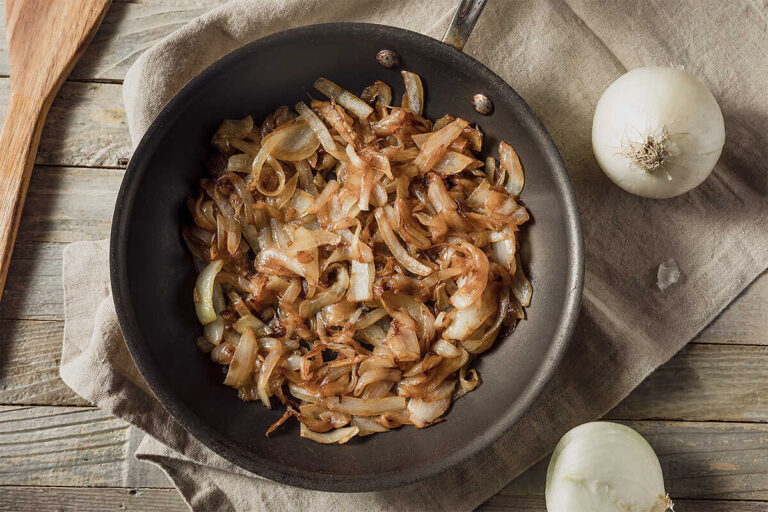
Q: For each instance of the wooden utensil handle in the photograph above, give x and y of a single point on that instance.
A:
(18, 147)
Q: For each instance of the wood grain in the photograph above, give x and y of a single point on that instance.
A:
(86, 126)
(73, 499)
(129, 28)
(52, 36)
(45, 445)
(63, 205)
(30, 352)
(69, 204)
(70, 446)
(704, 382)
(33, 289)
(66, 446)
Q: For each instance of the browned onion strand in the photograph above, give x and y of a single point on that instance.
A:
(354, 258)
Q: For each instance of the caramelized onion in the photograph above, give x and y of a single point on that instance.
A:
(344, 98)
(360, 264)
(510, 163)
(203, 296)
(413, 99)
(241, 367)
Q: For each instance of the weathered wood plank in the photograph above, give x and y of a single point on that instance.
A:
(704, 382)
(66, 499)
(128, 29)
(86, 125)
(745, 320)
(82, 446)
(73, 499)
(67, 204)
(507, 503)
(70, 446)
(63, 205)
(33, 289)
(52, 445)
(29, 367)
(706, 460)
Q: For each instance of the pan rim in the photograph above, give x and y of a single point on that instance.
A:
(286, 474)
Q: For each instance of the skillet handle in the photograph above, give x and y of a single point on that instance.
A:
(463, 22)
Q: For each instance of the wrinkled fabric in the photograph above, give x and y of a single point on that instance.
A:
(559, 56)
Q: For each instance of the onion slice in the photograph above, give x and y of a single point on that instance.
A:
(241, 367)
(398, 251)
(510, 163)
(413, 99)
(423, 413)
(203, 295)
(336, 436)
(435, 146)
(343, 97)
(314, 122)
(475, 281)
(521, 287)
(366, 407)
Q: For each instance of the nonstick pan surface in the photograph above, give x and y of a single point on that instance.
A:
(153, 274)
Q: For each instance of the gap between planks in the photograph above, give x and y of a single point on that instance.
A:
(84, 499)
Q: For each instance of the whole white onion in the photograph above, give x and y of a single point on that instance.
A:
(605, 467)
(657, 132)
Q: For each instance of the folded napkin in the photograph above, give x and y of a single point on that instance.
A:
(559, 56)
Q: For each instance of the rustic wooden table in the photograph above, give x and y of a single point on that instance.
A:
(704, 412)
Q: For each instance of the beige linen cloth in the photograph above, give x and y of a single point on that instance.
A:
(560, 56)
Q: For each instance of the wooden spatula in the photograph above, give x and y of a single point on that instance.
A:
(45, 39)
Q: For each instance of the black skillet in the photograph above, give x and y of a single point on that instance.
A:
(153, 274)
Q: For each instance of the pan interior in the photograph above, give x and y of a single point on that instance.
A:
(153, 274)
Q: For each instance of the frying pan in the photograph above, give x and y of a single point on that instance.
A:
(153, 274)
